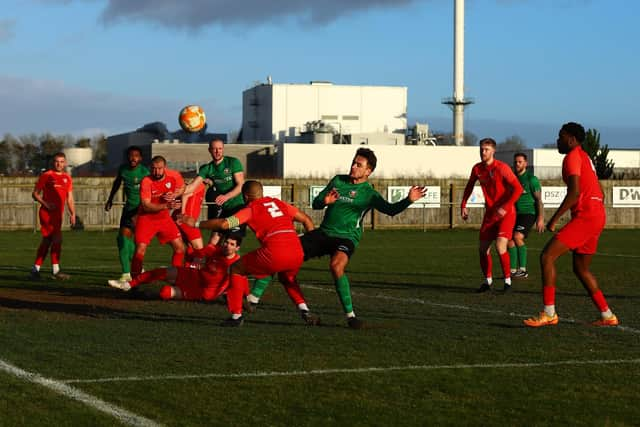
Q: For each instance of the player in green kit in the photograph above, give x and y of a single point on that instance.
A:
(529, 211)
(226, 176)
(130, 175)
(347, 199)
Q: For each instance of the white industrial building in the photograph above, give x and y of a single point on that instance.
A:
(321, 112)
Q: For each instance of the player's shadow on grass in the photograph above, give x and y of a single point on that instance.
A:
(92, 310)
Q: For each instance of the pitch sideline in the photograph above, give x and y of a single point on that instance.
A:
(122, 415)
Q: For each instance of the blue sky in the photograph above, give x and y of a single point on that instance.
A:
(110, 66)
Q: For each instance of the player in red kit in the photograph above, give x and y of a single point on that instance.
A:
(191, 206)
(159, 194)
(53, 190)
(280, 252)
(501, 189)
(189, 284)
(580, 235)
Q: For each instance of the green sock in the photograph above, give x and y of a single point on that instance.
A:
(344, 293)
(259, 286)
(522, 256)
(513, 257)
(126, 249)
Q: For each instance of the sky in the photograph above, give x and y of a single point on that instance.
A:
(84, 67)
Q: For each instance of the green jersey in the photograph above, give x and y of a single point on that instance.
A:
(344, 217)
(526, 204)
(222, 177)
(131, 179)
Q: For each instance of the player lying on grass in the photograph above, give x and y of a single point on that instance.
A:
(580, 235)
(280, 252)
(206, 283)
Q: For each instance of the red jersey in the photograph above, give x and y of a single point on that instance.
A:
(215, 272)
(269, 217)
(499, 185)
(152, 189)
(591, 200)
(55, 188)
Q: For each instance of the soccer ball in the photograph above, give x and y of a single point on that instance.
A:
(192, 118)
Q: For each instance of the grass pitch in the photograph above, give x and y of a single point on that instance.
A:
(434, 352)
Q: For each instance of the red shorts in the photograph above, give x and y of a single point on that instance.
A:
(281, 256)
(163, 227)
(188, 281)
(493, 227)
(50, 222)
(190, 233)
(581, 234)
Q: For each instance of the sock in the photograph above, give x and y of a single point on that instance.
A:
(177, 259)
(488, 281)
(513, 257)
(237, 286)
(606, 314)
(56, 252)
(507, 281)
(149, 276)
(504, 263)
(303, 307)
(126, 249)
(548, 295)
(522, 257)
(136, 264)
(36, 267)
(486, 264)
(350, 315)
(259, 286)
(55, 268)
(41, 254)
(293, 290)
(598, 299)
(166, 292)
(253, 299)
(550, 310)
(344, 293)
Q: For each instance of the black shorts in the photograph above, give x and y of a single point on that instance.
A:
(316, 244)
(216, 211)
(524, 222)
(128, 218)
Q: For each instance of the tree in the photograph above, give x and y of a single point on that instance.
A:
(591, 144)
(512, 143)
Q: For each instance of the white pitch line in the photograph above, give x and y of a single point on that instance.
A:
(461, 307)
(120, 414)
(357, 370)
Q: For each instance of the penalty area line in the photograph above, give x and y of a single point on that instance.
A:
(122, 415)
(357, 370)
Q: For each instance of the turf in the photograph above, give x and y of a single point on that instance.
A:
(434, 352)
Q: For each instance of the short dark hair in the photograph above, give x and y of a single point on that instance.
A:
(368, 154)
(158, 159)
(134, 148)
(59, 154)
(520, 154)
(574, 129)
(235, 236)
(488, 141)
(217, 138)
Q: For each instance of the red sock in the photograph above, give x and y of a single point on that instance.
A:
(505, 262)
(136, 264)
(56, 251)
(486, 265)
(165, 292)
(41, 254)
(177, 259)
(598, 299)
(549, 295)
(293, 289)
(237, 286)
(149, 276)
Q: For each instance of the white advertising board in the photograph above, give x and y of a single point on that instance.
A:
(430, 200)
(552, 197)
(626, 197)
